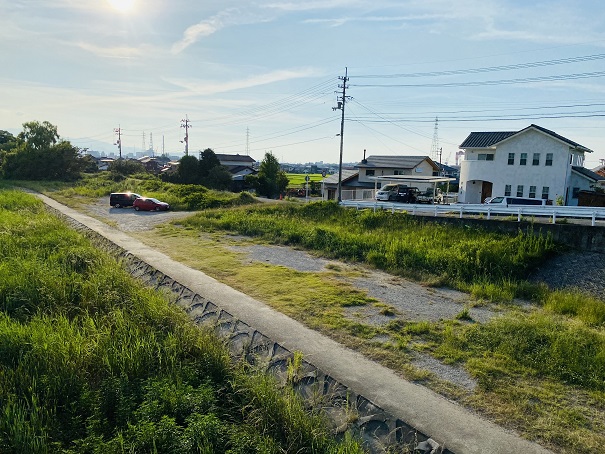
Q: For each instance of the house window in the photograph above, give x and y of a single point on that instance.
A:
(507, 189)
(399, 172)
(486, 156)
(523, 159)
(545, 190)
(369, 173)
(548, 159)
(511, 159)
(532, 192)
(536, 160)
(574, 192)
(520, 190)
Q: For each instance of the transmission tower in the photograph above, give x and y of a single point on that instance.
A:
(143, 146)
(435, 145)
(151, 143)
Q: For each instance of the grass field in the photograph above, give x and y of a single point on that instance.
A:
(91, 362)
(540, 371)
(298, 179)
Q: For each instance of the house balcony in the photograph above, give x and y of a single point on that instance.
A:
(478, 170)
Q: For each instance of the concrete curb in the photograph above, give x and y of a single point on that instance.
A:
(389, 410)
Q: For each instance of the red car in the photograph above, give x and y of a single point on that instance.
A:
(150, 204)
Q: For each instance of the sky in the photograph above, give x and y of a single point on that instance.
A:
(264, 76)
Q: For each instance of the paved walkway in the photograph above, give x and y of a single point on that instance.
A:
(449, 424)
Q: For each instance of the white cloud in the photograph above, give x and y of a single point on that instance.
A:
(207, 27)
(208, 88)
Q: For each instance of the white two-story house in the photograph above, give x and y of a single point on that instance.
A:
(533, 162)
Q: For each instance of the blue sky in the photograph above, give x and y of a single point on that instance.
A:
(271, 67)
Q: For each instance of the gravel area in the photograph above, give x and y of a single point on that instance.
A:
(575, 270)
(130, 220)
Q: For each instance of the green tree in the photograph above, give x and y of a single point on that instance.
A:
(39, 154)
(218, 178)
(208, 161)
(270, 180)
(188, 172)
(121, 168)
(38, 135)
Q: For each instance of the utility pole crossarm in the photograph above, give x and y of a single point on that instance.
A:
(118, 131)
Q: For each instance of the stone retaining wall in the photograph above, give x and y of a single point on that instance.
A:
(576, 236)
(348, 411)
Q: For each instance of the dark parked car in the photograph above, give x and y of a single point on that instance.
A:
(407, 195)
(150, 204)
(122, 199)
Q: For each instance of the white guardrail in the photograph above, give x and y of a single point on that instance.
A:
(551, 212)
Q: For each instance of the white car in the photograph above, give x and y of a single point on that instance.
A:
(387, 192)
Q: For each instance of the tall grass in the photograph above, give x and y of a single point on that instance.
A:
(397, 243)
(539, 344)
(92, 362)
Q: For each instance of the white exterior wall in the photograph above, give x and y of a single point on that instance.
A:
(499, 173)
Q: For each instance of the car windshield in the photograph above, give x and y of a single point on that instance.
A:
(388, 187)
(154, 200)
(496, 200)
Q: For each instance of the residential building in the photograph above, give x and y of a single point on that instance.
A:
(362, 183)
(533, 162)
(235, 160)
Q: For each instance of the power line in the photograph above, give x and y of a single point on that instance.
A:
(538, 64)
(526, 80)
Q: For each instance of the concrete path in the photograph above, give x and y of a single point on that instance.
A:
(447, 423)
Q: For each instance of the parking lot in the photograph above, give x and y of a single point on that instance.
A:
(128, 219)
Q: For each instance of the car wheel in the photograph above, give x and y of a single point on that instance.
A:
(117, 205)
(157, 208)
(137, 208)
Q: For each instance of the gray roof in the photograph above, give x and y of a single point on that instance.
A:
(393, 162)
(485, 139)
(489, 139)
(588, 173)
(346, 174)
(234, 157)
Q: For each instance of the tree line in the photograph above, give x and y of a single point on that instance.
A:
(39, 153)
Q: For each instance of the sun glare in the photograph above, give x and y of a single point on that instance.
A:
(122, 5)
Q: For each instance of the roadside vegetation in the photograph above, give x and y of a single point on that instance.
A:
(91, 362)
(91, 187)
(540, 369)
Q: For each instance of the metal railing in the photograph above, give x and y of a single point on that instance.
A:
(551, 212)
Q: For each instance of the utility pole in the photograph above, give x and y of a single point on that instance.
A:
(118, 131)
(143, 144)
(185, 124)
(163, 151)
(151, 143)
(340, 105)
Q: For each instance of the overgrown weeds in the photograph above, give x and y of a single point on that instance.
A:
(92, 362)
